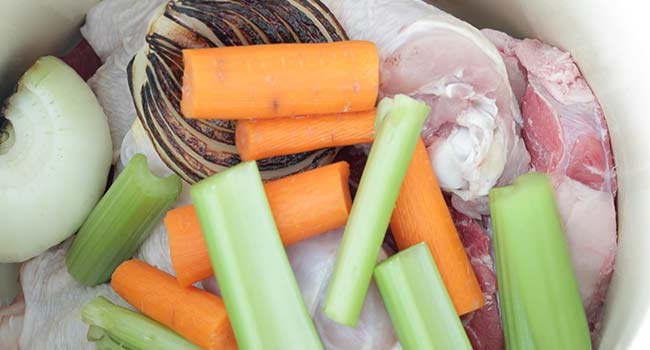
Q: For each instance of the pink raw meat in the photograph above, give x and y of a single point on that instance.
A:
(83, 59)
(566, 134)
(483, 326)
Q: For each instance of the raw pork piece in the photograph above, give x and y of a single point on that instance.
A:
(483, 326)
(472, 132)
(566, 134)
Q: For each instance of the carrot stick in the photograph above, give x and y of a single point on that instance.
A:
(195, 314)
(421, 214)
(280, 80)
(303, 205)
(263, 138)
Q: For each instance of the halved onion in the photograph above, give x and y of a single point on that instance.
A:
(195, 149)
(55, 153)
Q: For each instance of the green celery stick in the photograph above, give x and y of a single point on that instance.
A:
(401, 120)
(120, 222)
(418, 303)
(102, 340)
(107, 343)
(539, 296)
(264, 303)
(125, 329)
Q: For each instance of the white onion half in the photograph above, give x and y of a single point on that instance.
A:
(55, 153)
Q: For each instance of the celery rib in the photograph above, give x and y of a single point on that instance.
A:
(120, 222)
(418, 303)
(117, 328)
(400, 121)
(538, 292)
(264, 303)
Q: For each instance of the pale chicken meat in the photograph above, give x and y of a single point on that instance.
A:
(313, 263)
(116, 31)
(473, 130)
(53, 303)
(11, 323)
(566, 133)
(49, 316)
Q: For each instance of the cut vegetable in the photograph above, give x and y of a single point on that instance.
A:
(538, 292)
(310, 203)
(195, 314)
(156, 80)
(280, 80)
(266, 307)
(120, 222)
(382, 178)
(125, 329)
(418, 303)
(303, 205)
(263, 138)
(421, 215)
(55, 153)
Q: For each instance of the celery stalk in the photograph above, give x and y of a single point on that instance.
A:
(102, 340)
(418, 303)
(264, 303)
(120, 222)
(540, 300)
(125, 329)
(382, 178)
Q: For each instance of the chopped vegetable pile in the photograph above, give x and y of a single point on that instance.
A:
(240, 142)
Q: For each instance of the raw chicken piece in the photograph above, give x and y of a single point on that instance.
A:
(483, 326)
(313, 261)
(155, 249)
(566, 134)
(116, 30)
(53, 301)
(11, 323)
(472, 132)
(53, 304)
(112, 24)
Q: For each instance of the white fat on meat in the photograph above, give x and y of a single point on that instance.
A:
(116, 31)
(473, 130)
(313, 261)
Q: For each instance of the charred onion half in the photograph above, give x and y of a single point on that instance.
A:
(195, 149)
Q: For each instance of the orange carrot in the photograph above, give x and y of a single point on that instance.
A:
(421, 214)
(263, 138)
(280, 80)
(303, 205)
(195, 314)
